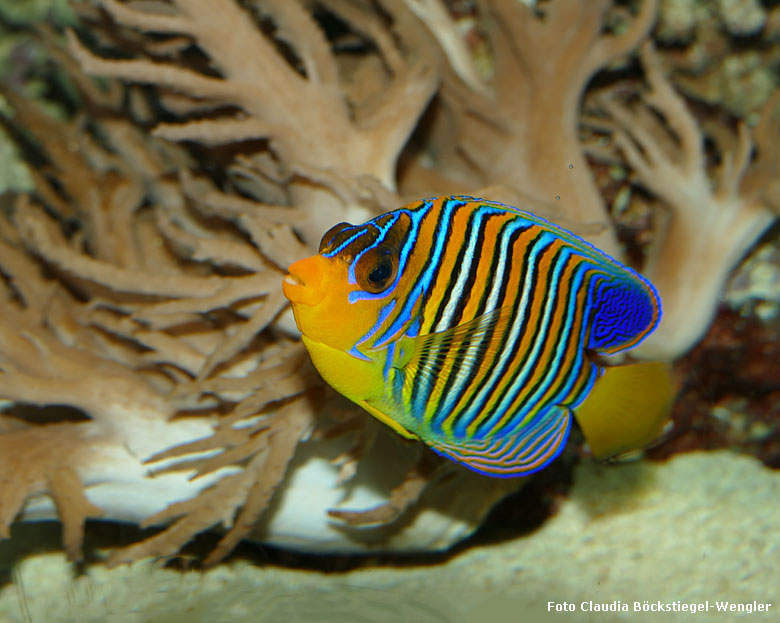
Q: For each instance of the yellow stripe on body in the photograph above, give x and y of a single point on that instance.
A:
(532, 320)
(564, 364)
(437, 296)
(493, 229)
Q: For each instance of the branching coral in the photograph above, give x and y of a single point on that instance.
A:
(327, 129)
(714, 218)
(520, 129)
(141, 307)
(146, 295)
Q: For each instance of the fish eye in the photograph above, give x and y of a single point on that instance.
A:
(326, 244)
(381, 273)
(376, 269)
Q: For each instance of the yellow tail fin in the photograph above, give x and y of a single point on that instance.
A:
(627, 408)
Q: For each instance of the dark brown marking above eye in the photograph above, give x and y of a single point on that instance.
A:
(398, 231)
(331, 238)
(388, 232)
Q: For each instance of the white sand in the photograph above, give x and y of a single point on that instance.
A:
(702, 528)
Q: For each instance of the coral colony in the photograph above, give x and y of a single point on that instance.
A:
(149, 367)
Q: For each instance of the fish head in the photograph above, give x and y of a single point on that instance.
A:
(338, 295)
(318, 290)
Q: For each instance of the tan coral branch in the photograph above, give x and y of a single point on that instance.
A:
(401, 498)
(712, 221)
(73, 508)
(240, 338)
(236, 500)
(219, 131)
(437, 17)
(608, 48)
(44, 459)
(145, 71)
(297, 424)
(297, 28)
(42, 235)
(524, 134)
(314, 122)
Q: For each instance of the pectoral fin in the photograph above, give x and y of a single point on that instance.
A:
(420, 362)
(425, 359)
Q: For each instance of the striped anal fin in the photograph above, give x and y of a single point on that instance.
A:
(530, 449)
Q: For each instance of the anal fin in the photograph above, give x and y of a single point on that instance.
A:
(520, 453)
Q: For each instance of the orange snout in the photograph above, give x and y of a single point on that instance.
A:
(304, 285)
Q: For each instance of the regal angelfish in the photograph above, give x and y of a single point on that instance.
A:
(480, 329)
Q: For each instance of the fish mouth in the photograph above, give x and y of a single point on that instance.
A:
(303, 283)
(292, 280)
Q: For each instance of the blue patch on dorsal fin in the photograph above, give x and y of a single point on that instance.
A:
(622, 313)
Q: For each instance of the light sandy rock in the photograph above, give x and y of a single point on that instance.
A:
(700, 529)
(122, 486)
